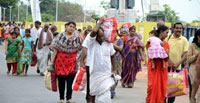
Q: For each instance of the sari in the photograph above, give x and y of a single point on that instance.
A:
(157, 80)
(19, 65)
(131, 62)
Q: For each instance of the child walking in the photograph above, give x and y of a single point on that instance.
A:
(12, 51)
(27, 51)
(156, 49)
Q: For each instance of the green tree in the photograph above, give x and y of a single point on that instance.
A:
(6, 3)
(48, 7)
(47, 17)
(105, 5)
(170, 15)
(95, 16)
(70, 12)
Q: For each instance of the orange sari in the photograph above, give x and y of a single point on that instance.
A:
(157, 80)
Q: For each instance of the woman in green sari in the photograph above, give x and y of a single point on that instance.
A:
(19, 38)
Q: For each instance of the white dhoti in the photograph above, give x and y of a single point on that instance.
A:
(42, 58)
(100, 84)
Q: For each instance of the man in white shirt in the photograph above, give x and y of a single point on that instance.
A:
(101, 58)
(35, 32)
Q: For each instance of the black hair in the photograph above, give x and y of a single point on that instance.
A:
(178, 23)
(196, 35)
(12, 33)
(79, 30)
(86, 32)
(27, 30)
(153, 32)
(38, 22)
(16, 28)
(89, 26)
(132, 28)
(161, 29)
(55, 34)
(71, 22)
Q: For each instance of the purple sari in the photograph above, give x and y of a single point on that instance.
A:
(131, 62)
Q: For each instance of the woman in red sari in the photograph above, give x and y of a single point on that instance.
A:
(157, 78)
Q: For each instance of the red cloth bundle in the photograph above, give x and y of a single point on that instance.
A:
(34, 59)
(109, 26)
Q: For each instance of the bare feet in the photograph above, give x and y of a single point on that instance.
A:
(123, 85)
(22, 74)
(8, 72)
(15, 74)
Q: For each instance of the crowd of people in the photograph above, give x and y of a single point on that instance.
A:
(73, 48)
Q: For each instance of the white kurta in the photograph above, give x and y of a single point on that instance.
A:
(35, 33)
(42, 55)
(100, 68)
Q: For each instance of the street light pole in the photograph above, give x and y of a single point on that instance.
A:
(18, 12)
(27, 11)
(4, 16)
(85, 12)
(10, 11)
(56, 10)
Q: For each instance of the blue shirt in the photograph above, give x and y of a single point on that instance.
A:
(27, 43)
(22, 31)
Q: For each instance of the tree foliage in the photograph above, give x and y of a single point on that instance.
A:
(47, 17)
(95, 16)
(170, 15)
(66, 11)
(105, 5)
(6, 3)
(48, 8)
(70, 12)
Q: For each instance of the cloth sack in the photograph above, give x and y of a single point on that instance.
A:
(80, 80)
(186, 78)
(109, 26)
(51, 80)
(176, 85)
(126, 25)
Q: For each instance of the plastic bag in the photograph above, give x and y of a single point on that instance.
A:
(34, 58)
(109, 26)
(176, 85)
(51, 80)
(80, 80)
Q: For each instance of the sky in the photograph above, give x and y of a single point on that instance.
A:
(187, 10)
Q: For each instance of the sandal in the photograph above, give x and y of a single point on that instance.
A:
(61, 101)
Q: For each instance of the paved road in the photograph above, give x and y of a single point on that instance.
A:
(30, 89)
